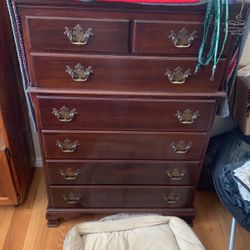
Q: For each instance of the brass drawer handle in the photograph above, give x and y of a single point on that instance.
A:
(181, 147)
(171, 198)
(67, 146)
(64, 114)
(187, 117)
(178, 75)
(78, 73)
(176, 174)
(182, 39)
(78, 36)
(69, 174)
(72, 198)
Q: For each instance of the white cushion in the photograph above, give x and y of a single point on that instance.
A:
(150, 232)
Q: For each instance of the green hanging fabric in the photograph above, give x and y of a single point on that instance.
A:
(213, 20)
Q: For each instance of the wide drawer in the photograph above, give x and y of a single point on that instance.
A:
(90, 72)
(78, 35)
(109, 172)
(66, 112)
(120, 196)
(176, 37)
(123, 145)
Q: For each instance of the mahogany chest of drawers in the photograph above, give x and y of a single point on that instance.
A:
(123, 121)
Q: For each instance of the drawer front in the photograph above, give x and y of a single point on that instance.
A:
(124, 145)
(121, 172)
(125, 114)
(78, 35)
(176, 37)
(126, 73)
(169, 37)
(120, 196)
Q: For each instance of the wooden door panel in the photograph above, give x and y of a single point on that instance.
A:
(8, 194)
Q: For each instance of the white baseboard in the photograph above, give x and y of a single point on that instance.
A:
(39, 163)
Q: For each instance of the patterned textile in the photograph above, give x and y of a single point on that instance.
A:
(155, 1)
(159, 2)
(18, 37)
(229, 193)
(242, 178)
(240, 151)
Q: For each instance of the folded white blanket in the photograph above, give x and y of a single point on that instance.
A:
(150, 232)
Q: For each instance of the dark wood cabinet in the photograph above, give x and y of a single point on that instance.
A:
(16, 146)
(124, 122)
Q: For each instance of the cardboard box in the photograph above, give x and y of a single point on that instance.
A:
(241, 111)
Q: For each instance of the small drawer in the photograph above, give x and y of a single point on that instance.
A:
(120, 196)
(82, 172)
(123, 145)
(171, 37)
(78, 35)
(123, 73)
(125, 113)
(168, 37)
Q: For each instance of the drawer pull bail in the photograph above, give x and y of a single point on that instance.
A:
(69, 174)
(178, 75)
(78, 36)
(67, 146)
(171, 198)
(64, 114)
(187, 117)
(78, 73)
(182, 39)
(176, 174)
(72, 198)
(181, 147)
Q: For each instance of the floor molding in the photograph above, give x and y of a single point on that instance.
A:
(39, 163)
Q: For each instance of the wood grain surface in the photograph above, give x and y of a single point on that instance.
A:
(129, 73)
(115, 172)
(123, 145)
(105, 113)
(109, 35)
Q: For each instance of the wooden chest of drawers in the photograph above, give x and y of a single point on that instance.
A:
(124, 122)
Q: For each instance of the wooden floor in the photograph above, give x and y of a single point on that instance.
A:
(24, 227)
